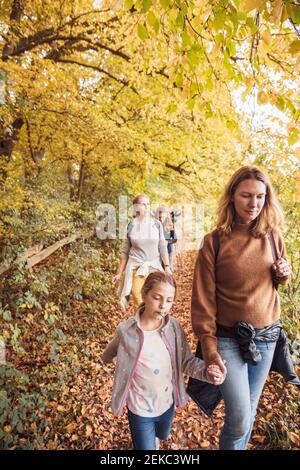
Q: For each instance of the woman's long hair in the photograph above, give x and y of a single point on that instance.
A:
(271, 216)
(156, 278)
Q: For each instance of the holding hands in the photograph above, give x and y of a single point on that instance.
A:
(215, 374)
(216, 370)
(281, 268)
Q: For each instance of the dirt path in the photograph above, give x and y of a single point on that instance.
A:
(85, 420)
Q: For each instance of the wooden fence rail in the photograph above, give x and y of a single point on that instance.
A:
(36, 254)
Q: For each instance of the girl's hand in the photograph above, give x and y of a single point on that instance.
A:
(216, 360)
(215, 375)
(116, 278)
(168, 270)
(281, 268)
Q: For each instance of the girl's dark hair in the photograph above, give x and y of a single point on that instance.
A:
(155, 278)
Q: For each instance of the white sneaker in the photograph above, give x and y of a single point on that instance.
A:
(157, 442)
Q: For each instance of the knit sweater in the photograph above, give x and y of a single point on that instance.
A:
(237, 287)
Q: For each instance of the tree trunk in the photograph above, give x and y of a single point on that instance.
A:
(7, 143)
(72, 181)
(81, 179)
(15, 15)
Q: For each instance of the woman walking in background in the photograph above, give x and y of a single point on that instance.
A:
(235, 303)
(143, 251)
(163, 214)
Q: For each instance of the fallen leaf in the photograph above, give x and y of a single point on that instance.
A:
(258, 438)
(294, 438)
(204, 444)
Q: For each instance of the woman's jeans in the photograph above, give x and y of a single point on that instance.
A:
(145, 430)
(241, 391)
(171, 253)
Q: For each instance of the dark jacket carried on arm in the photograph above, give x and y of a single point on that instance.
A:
(208, 396)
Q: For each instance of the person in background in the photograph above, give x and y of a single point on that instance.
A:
(144, 251)
(163, 214)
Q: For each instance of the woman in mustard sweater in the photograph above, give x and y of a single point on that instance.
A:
(235, 298)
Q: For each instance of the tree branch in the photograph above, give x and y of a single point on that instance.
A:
(99, 69)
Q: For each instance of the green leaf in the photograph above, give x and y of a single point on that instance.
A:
(142, 32)
(165, 4)
(231, 47)
(191, 104)
(219, 38)
(194, 56)
(250, 22)
(171, 108)
(219, 21)
(231, 124)
(186, 39)
(128, 4)
(184, 9)
(241, 16)
(208, 111)
(153, 21)
(180, 20)
(293, 137)
(209, 84)
(280, 104)
(193, 89)
(146, 5)
(179, 80)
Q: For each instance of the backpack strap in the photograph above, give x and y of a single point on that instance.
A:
(273, 246)
(129, 228)
(216, 242)
(274, 254)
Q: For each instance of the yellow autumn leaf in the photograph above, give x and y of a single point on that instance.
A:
(295, 47)
(258, 438)
(70, 427)
(204, 444)
(295, 438)
(267, 37)
(276, 11)
(249, 5)
(7, 428)
(262, 97)
(88, 430)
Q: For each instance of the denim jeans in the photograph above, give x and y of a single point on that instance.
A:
(144, 430)
(171, 253)
(241, 391)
